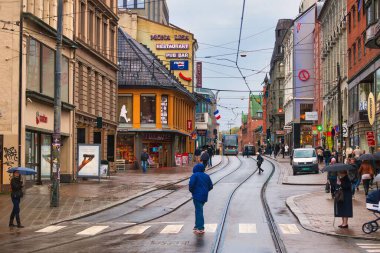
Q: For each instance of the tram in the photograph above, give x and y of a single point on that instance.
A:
(230, 144)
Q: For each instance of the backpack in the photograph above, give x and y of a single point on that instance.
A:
(205, 156)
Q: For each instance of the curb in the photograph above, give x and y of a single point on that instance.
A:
(306, 224)
(120, 202)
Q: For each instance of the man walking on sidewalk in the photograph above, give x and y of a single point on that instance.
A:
(144, 160)
(199, 186)
(205, 156)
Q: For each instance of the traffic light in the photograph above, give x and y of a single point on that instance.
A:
(99, 122)
(320, 128)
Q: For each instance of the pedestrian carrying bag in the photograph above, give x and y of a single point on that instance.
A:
(339, 197)
(327, 187)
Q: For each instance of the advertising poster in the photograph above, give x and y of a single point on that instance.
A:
(88, 160)
(178, 159)
(45, 161)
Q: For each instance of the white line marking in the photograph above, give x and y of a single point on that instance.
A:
(210, 228)
(247, 229)
(171, 229)
(373, 250)
(289, 229)
(368, 244)
(137, 230)
(92, 230)
(50, 229)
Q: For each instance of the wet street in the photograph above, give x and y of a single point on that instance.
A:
(162, 221)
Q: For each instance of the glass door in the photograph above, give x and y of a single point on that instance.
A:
(45, 156)
(32, 153)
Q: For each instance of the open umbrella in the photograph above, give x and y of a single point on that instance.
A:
(376, 156)
(366, 157)
(338, 167)
(22, 170)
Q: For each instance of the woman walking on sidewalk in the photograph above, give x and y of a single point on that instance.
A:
(16, 195)
(366, 172)
(343, 207)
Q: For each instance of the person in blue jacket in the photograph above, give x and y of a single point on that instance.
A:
(200, 184)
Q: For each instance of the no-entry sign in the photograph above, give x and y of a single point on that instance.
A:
(304, 75)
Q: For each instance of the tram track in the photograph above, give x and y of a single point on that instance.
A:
(134, 224)
(278, 243)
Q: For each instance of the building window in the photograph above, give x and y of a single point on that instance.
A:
(164, 109)
(372, 12)
(278, 33)
(354, 52)
(125, 109)
(90, 29)
(353, 16)
(364, 47)
(349, 22)
(349, 59)
(98, 28)
(65, 79)
(359, 12)
(148, 109)
(132, 4)
(48, 64)
(112, 43)
(81, 135)
(359, 49)
(105, 38)
(140, 4)
(82, 20)
(33, 65)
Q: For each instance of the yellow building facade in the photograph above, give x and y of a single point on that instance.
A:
(174, 46)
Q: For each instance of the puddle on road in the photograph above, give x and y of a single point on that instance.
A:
(170, 243)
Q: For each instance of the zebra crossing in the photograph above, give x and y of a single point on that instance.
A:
(370, 247)
(242, 228)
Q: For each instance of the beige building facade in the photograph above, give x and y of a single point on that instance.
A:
(157, 10)
(27, 115)
(95, 80)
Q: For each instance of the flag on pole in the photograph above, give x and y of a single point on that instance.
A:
(217, 115)
(360, 4)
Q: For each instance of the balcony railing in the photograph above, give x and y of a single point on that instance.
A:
(373, 35)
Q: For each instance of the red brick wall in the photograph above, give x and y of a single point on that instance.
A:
(353, 35)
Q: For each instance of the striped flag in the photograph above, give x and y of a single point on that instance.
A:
(217, 115)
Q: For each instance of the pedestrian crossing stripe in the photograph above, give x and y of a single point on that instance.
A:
(289, 229)
(370, 247)
(171, 229)
(247, 229)
(50, 229)
(136, 230)
(211, 228)
(92, 230)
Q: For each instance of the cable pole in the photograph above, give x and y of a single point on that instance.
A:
(56, 146)
(340, 113)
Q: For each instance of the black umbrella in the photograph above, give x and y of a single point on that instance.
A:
(338, 167)
(366, 157)
(376, 156)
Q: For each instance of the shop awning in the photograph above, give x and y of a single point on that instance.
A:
(141, 130)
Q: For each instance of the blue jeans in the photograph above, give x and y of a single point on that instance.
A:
(144, 165)
(15, 210)
(199, 219)
(354, 184)
(210, 162)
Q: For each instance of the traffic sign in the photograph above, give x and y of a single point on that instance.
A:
(304, 75)
(345, 130)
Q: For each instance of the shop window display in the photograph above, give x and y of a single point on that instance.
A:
(125, 105)
(125, 148)
(164, 109)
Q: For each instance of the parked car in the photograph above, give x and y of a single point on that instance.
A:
(304, 160)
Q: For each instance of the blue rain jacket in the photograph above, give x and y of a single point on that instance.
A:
(200, 183)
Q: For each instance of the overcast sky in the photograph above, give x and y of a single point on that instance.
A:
(217, 22)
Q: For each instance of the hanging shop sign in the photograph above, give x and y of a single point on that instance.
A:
(168, 37)
(183, 77)
(179, 65)
(371, 139)
(199, 72)
(345, 130)
(88, 160)
(371, 108)
(312, 116)
(41, 118)
(304, 75)
(189, 125)
(194, 135)
(164, 109)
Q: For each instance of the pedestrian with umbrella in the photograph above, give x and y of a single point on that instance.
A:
(366, 171)
(16, 193)
(343, 196)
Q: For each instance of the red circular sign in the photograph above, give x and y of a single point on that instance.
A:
(304, 75)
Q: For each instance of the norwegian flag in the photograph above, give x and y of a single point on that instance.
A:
(217, 115)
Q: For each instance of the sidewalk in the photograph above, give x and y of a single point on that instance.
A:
(86, 197)
(300, 179)
(315, 212)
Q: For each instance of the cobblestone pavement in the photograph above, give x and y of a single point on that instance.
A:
(88, 196)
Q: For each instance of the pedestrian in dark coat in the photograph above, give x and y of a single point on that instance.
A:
(210, 151)
(327, 156)
(200, 184)
(344, 209)
(16, 195)
(205, 157)
(197, 155)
